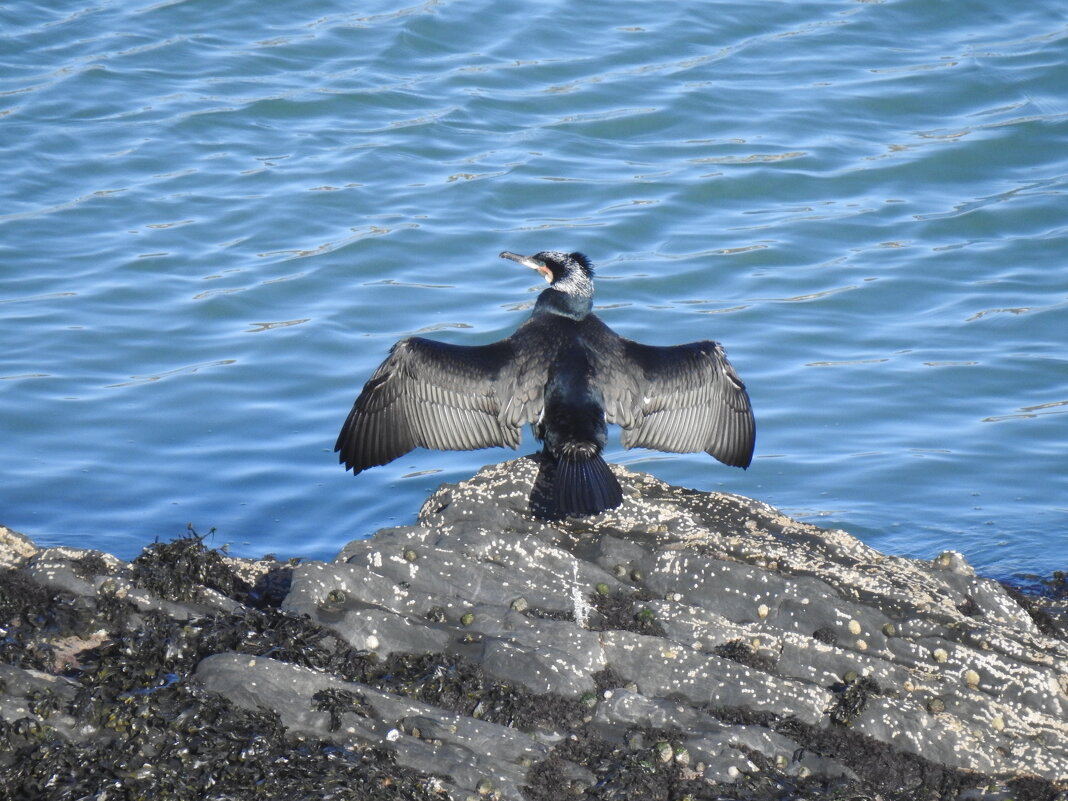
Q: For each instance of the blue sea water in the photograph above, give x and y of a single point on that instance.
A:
(215, 219)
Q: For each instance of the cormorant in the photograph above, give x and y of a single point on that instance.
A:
(566, 372)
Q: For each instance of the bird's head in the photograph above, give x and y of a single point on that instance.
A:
(567, 272)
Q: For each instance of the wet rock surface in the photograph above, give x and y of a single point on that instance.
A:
(686, 645)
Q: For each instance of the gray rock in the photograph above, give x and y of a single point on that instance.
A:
(680, 641)
(15, 548)
(422, 737)
(819, 607)
(718, 745)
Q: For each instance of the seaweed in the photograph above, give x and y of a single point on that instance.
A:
(156, 733)
(89, 565)
(649, 764)
(160, 734)
(338, 702)
(33, 618)
(460, 686)
(743, 653)
(179, 569)
(1044, 599)
(826, 635)
(632, 768)
(621, 611)
(852, 698)
(181, 742)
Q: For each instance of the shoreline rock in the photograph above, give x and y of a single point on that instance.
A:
(686, 643)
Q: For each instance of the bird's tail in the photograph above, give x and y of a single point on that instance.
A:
(584, 485)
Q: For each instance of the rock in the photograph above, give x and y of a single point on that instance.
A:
(419, 735)
(15, 548)
(683, 642)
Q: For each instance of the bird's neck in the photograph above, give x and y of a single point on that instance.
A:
(565, 304)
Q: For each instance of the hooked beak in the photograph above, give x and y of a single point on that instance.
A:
(531, 262)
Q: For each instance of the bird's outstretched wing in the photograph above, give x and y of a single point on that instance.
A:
(433, 395)
(682, 399)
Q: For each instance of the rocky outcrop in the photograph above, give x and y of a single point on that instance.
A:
(684, 642)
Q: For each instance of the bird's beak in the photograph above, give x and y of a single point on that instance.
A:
(531, 262)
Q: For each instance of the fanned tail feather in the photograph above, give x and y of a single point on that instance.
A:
(584, 485)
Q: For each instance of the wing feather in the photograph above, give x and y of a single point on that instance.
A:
(682, 399)
(436, 395)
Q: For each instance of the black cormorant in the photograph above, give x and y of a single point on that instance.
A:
(566, 372)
